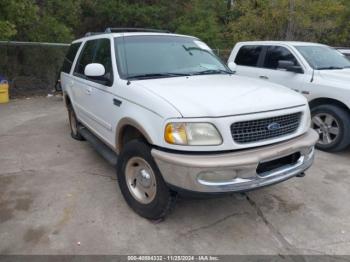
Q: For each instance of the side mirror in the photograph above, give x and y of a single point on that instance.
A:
(94, 70)
(232, 66)
(289, 66)
(97, 72)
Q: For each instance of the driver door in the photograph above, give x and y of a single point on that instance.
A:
(96, 96)
(268, 69)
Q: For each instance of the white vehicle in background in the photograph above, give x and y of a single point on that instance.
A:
(317, 71)
(345, 51)
(173, 118)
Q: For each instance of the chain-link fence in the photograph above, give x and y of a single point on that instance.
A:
(31, 68)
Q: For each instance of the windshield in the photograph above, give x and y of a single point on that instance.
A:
(141, 57)
(323, 57)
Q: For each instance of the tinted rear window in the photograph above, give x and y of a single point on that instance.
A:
(68, 60)
(248, 55)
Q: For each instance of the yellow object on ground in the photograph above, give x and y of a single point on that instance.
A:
(4, 92)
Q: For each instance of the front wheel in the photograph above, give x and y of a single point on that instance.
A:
(332, 123)
(141, 182)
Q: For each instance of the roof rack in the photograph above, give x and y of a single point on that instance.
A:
(93, 33)
(133, 30)
(127, 30)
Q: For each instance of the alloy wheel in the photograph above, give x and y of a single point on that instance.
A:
(327, 127)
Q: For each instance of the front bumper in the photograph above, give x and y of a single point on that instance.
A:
(237, 171)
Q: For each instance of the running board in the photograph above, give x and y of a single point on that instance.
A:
(99, 146)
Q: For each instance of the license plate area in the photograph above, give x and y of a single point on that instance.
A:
(265, 168)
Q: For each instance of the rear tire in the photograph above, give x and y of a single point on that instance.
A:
(141, 182)
(332, 123)
(74, 125)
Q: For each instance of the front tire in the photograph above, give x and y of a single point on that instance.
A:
(141, 182)
(332, 123)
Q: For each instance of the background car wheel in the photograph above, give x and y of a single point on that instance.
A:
(74, 125)
(141, 182)
(332, 123)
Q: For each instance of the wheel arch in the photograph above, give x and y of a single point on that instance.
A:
(127, 130)
(328, 101)
(67, 100)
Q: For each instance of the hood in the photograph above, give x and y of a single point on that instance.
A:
(342, 75)
(222, 95)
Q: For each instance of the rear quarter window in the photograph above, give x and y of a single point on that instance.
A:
(248, 55)
(69, 58)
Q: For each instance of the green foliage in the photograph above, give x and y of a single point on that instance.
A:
(28, 21)
(7, 30)
(200, 19)
(16, 18)
(287, 20)
(221, 23)
(50, 29)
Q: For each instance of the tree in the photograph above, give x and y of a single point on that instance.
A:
(221, 23)
(39, 21)
(16, 18)
(314, 20)
(200, 18)
(7, 30)
(97, 15)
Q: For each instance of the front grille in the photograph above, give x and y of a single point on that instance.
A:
(264, 129)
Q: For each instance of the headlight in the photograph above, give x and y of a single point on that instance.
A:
(193, 134)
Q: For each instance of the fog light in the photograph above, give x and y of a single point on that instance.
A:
(216, 176)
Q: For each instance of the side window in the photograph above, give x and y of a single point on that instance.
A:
(96, 51)
(277, 53)
(248, 55)
(86, 57)
(69, 58)
(103, 56)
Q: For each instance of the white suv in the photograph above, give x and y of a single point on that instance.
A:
(173, 118)
(319, 72)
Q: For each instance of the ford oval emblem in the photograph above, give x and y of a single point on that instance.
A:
(273, 126)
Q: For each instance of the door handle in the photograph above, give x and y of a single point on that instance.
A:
(117, 102)
(88, 90)
(263, 77)
(71, 83)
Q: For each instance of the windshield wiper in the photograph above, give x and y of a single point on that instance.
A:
(156, 75)
(212, 72)
(329, 68)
